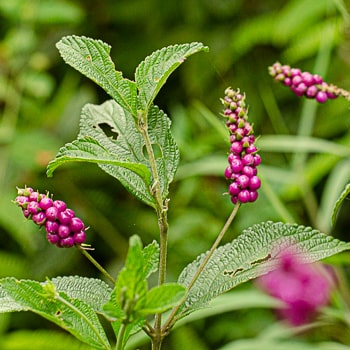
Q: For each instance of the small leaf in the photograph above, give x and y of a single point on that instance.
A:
(338, 203)
(151, 258)
(71, 314)
(162, 298)
(252, 254)
(152, 73)
(92, 58)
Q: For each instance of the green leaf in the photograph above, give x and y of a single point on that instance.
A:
(92, 291)
(161, 138)
(90, 150)
(340, 200)
(151, 258)
(92, 58)
(152, 73)
(108, 137)
(41, 339)
(162, 298)
(250, 255)
(73, 315)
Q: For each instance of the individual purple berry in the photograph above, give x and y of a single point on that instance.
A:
(234, 189)
(60, 205)
(52, 238)
(67, 242)
(244, 196)
(39, 218)
(254, 183)
(79, 237)
(64, 217)
(76, 224)
(34, 196)
(51, 213)
(45, 203)
(51, 226)
(22, 201)
(253, 196)
(33, 207)
(63, 231)
(321, 97)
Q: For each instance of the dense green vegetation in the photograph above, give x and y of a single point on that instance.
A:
(41, 99)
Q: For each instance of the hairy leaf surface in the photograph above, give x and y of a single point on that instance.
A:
(92, 58)
(152, 73)
(108, 137)
(73, 315)
(252, 254)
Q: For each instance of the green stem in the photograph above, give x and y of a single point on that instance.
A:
(120, 338)
(161, 210)
(172, 317)
(96, 264)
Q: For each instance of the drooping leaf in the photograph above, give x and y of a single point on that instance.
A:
(108, 136)
(92, 58)
(73, 315)
(152, 73)
(340, 200)
(162, 298)
(90, 150)
(250, 255)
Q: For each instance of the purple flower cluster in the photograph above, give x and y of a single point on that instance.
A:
(303, 288)
(243, 158)
(62, 227)
(303, 83)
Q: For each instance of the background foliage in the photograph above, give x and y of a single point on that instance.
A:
(40, 104)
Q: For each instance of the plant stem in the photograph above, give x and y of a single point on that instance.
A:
(120, 338)
(96, 264)
(161, 210)
(172, 317)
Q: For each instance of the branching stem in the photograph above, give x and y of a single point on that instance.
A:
(172, 317)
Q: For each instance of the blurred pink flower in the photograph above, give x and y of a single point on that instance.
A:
(303, 288)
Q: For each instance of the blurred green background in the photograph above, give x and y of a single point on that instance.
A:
(40, 103)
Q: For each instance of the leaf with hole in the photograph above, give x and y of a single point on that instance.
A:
(250, 255)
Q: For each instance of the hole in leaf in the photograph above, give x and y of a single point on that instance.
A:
(108, 130)
(156, 151)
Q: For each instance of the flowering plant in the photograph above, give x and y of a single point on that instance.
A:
(144, 158)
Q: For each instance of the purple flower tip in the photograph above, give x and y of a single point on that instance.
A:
(243, 158)
(303, 83)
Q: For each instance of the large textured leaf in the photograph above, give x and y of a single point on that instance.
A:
(92, 291)
(253, 254)
(92, 58)
(73, 315)
(152, 73)
(108, 137)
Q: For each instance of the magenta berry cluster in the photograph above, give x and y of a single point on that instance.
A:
(302, 83)
(62, 227)
(243, 158)
(303, 288)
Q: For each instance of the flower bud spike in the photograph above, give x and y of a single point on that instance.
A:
(243, 158)
(62, 227)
